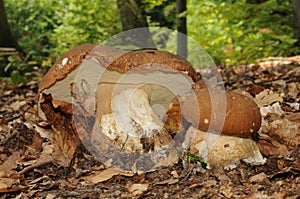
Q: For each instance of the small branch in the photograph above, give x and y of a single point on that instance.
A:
(33, 166)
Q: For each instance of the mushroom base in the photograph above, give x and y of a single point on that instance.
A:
(222, 150)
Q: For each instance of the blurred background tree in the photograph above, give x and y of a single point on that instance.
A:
(233, 31)
(6, 38)
(133, 15)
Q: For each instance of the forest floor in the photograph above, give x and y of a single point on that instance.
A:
(26, 169)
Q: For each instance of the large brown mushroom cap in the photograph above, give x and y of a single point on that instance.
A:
(152, 59)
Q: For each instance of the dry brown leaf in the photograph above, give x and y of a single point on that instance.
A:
(51, 196)
(227, 191)
(6, 169)
(169, 181)
(64, 148)
(261, 177)
(101, 176)
(175, 174)
(294, 117)
(286, 132)
(267, 97)
(270, 147)
(8, 185)
(272, 109)
(138, 189)
(292, 89)
(17, 105)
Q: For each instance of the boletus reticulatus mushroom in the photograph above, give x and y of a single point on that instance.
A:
(127, 106)
(220, 138)
(114, 101)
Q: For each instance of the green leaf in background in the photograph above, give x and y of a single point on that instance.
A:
(16, 77)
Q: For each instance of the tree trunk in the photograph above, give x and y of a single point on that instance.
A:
(296, 8)
(6, 38)
(134, 19)
(181, 28)
(255, 1)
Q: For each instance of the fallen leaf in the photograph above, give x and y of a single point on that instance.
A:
(51, 196)
(294, 117)
(101, 176)
(261, 177)
(138, 189)
(270, 147)
(8, 185)
(17, 105)
(169, 181)
(292, 89)
(286, 132)
(175, 174)
(227, 191)
(6, 169)
(271, 109)
(267, 97)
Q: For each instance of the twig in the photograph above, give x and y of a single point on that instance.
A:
(33, 166)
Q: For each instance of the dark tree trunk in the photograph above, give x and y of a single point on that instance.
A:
(256, 1)
(134, 19)
(6, 38)
(181, 28)
(296, 8)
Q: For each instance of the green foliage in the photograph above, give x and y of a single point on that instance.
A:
(82, 21)
(19, 72)
(192, 158)
(31, 23)
(235, 32)
(50, 28)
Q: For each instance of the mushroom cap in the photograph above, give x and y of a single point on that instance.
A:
(115, 60)
(66, 63)
(143, 60)
(74, 57)
(242, 116)
(61, 75)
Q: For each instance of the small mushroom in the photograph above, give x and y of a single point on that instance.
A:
(222, 125)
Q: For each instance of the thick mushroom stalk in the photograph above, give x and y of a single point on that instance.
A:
(222, 150)
(133, 125)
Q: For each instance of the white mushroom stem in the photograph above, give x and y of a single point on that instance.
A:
(132, 118)
(130, 108)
